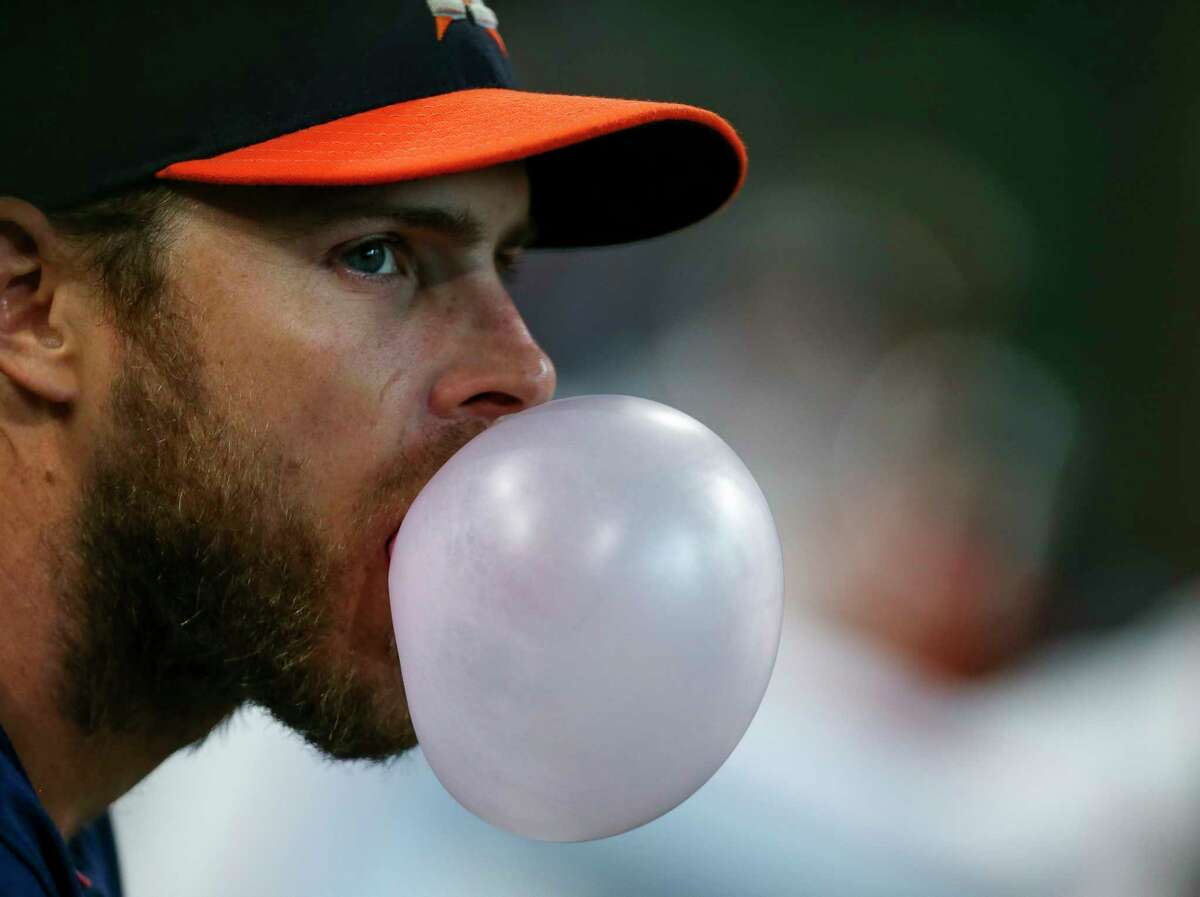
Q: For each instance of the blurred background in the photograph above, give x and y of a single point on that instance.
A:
(950, 326)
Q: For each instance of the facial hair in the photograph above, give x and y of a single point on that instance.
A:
(200, 580)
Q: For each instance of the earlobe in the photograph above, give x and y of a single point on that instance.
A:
(35, 353)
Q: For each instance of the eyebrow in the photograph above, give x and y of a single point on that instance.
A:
(460, 225)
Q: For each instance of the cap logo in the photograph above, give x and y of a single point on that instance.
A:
(447, 11)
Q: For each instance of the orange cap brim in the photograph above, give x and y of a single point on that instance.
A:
(602, 170)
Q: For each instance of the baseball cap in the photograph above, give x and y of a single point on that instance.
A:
(106, 96)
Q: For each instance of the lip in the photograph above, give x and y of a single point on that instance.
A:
(384, 570)
(389, 545)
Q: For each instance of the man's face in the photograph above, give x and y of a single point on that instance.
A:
(321, 354)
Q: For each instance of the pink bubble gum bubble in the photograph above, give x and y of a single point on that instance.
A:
(587, 600)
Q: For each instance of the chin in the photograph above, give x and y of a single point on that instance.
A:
(348, 699)
(351, 706)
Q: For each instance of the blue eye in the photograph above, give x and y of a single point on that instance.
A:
(375, 258)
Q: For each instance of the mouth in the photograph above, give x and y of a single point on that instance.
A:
(374, 608)
(390, 545)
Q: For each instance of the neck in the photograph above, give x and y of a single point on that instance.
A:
(76, 776)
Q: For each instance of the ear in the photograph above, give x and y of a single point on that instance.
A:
(37, 348)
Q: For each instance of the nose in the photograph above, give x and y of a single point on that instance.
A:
(496, 368)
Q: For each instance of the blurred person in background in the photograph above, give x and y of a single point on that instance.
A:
(948, 476)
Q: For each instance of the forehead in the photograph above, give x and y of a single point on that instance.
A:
(489, 202)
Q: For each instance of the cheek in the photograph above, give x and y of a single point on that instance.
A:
(338, 380)
(336, 402)
(356, 380)
(342, 411)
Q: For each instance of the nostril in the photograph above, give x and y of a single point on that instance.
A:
(493, 398)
